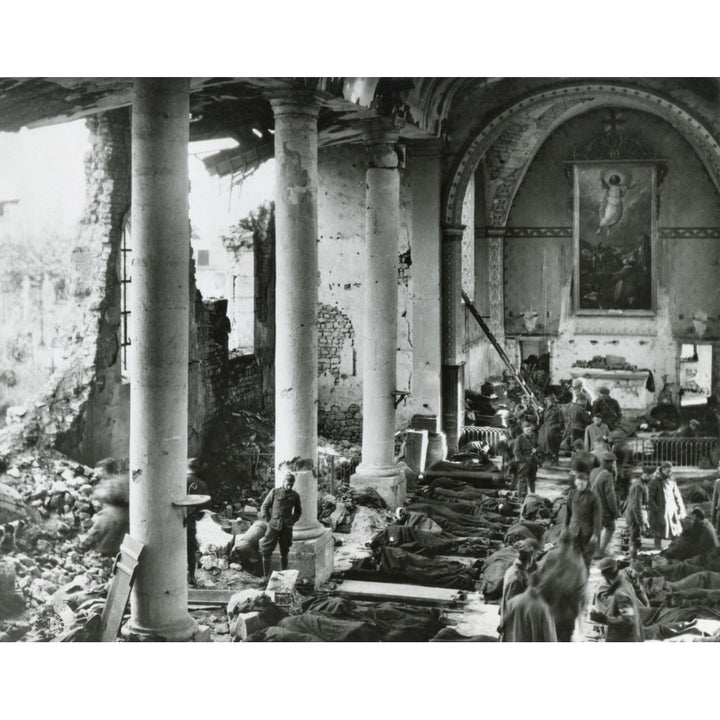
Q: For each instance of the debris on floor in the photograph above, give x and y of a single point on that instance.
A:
(55, 582)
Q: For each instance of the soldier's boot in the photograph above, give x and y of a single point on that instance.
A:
(266, 560)
(284, 562)
(605, 537)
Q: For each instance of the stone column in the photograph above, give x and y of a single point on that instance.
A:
(159, 371)
(453, 324)
(378, 468)
(296, 353)
(424, 170)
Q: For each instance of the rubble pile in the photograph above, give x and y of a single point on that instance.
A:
(57, 583)
(345, 450)
(238, 458)
(337, 501)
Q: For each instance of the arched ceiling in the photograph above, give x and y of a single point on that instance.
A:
(508, 142)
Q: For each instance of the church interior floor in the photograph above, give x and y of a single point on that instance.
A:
(473, 615)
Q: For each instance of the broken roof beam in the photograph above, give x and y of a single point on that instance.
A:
(230, 162)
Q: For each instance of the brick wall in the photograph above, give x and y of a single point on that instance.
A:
(243, 390)
(337, 360)
(336, 342)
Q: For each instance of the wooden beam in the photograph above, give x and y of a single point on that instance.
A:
(398, 591)
(199, 596)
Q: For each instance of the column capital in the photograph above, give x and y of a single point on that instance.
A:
(452, 232)
(295, 101)
(380, 136)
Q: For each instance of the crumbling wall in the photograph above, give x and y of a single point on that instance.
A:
(84, 411)
(264, 305)
(84, 395)
(218, 382)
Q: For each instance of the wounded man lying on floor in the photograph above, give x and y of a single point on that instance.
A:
(424, 543)
(396, 565)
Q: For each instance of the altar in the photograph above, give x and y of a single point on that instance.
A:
(627, 387)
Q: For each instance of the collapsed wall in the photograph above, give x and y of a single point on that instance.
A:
(84, 410)
(59, 414)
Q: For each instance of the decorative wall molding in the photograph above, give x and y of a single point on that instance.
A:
(685, 233)
(496, 288)
(612, 145)
(665, 233)
(539, 232)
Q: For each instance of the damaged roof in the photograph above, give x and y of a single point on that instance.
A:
(220, 107)
(239, 108)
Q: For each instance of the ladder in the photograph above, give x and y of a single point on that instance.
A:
(534, 402)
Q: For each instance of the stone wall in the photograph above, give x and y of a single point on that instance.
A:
(243, 384)
(341, 424)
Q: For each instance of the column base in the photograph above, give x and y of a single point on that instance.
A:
(183, 631)
(313, 559)
(391, 487)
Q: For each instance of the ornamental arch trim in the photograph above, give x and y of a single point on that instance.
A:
(562, 104)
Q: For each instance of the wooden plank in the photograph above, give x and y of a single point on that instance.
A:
(200, 596)
(120, 587)
(397, 591)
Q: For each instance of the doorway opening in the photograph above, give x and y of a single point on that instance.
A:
(695, 377)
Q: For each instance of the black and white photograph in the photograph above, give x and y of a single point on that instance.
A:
(358, 359)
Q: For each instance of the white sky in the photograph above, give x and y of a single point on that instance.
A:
(44, 169)
(213, 207)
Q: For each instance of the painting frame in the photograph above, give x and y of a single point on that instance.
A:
(625, 283)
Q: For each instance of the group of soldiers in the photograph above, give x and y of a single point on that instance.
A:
(542, 602)
(573, 427)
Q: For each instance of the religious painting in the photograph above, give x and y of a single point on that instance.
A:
(614, 229)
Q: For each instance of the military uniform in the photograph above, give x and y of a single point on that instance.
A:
(715, 506)
(583, 519)
(618, 602)
(608, 409)
(281, 509)
(525, 464)
(636, 515)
